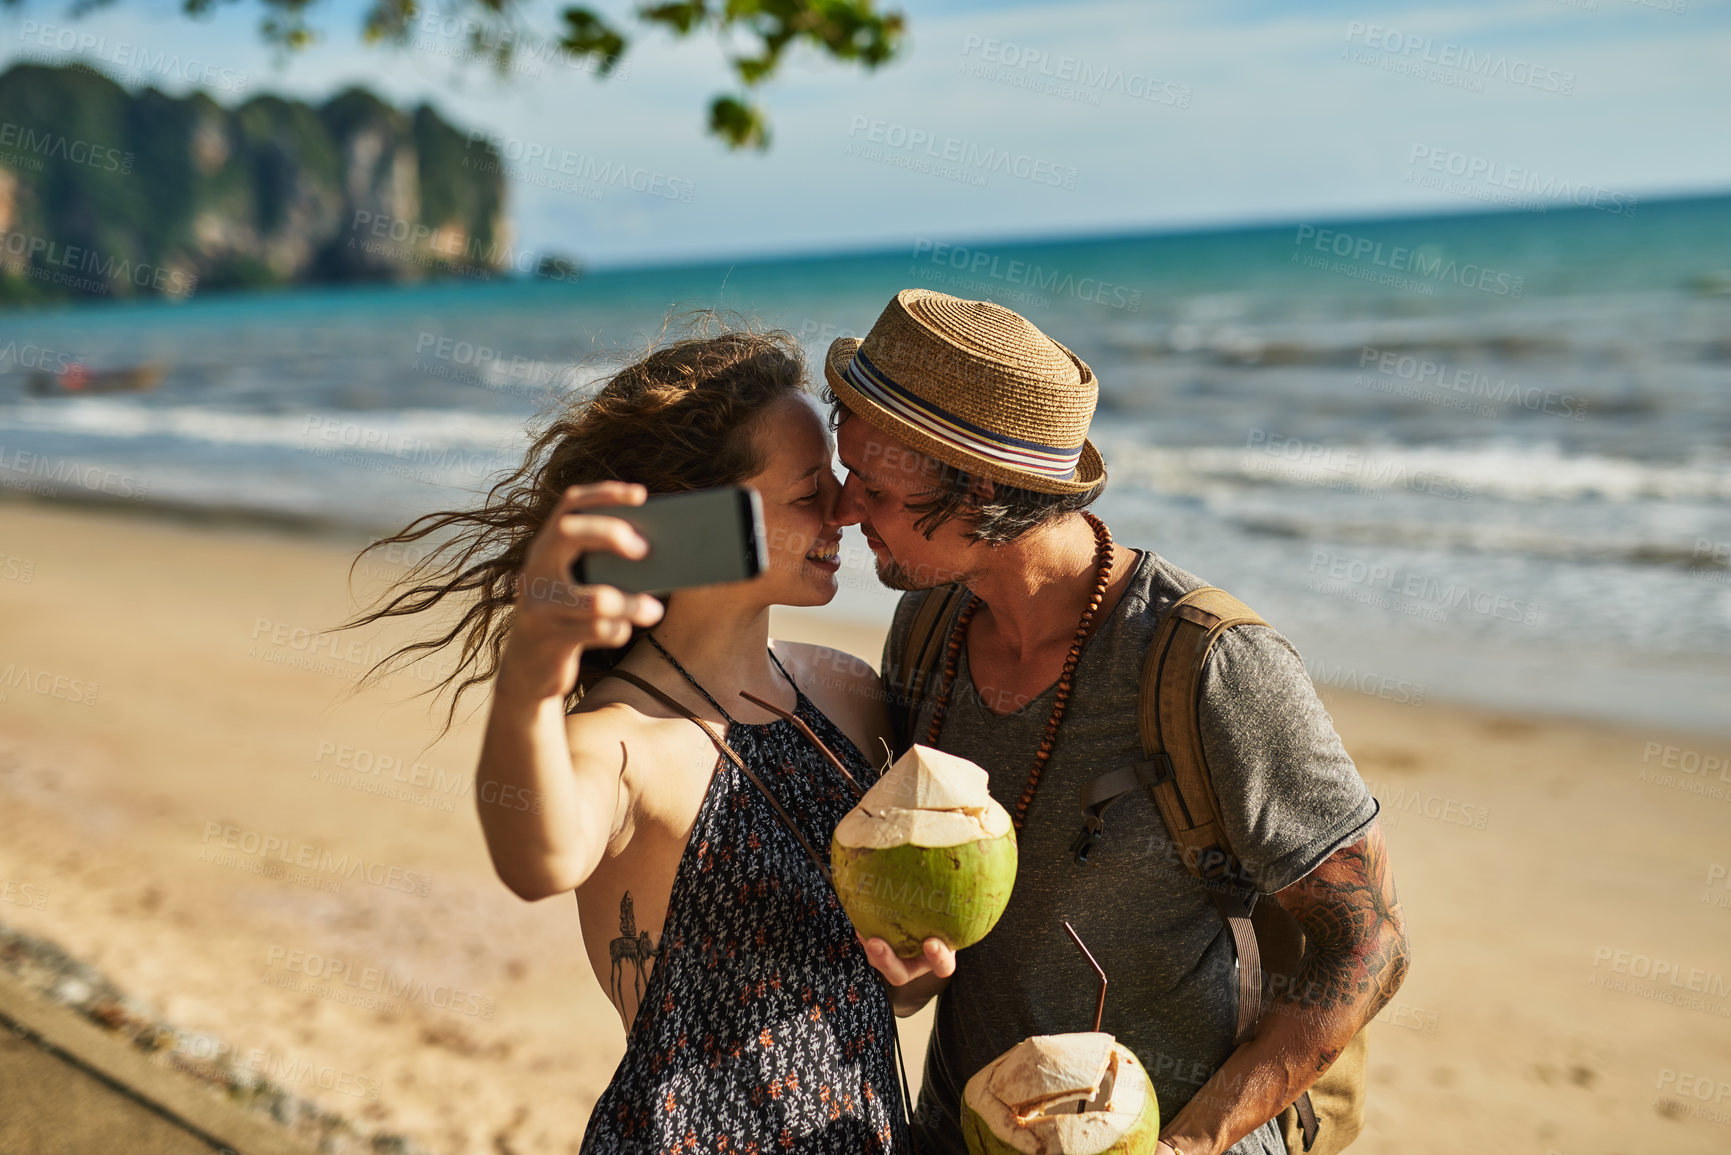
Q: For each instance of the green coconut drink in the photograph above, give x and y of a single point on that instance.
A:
(927, 853)
(1078, 1094)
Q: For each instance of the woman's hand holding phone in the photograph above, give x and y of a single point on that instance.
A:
(556, 620)
(526, 752)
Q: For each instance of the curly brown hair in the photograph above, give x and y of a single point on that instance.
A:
(681, 417)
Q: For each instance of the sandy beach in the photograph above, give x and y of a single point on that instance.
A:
(193, 802)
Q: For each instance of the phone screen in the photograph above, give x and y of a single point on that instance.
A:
(695, 539)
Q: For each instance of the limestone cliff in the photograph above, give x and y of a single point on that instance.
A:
(109, 193)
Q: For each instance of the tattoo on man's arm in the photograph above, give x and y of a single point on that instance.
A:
(1355, 934)
(631, 949)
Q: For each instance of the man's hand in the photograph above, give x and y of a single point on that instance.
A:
(912, 981)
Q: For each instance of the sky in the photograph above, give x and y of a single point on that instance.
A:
(1013, 120)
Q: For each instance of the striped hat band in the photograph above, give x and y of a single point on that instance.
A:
(1047, 460)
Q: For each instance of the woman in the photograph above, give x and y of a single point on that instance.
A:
(753, 1019)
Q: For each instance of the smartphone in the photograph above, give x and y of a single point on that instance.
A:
(699, 538)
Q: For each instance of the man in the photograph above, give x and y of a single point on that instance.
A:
(964, 432)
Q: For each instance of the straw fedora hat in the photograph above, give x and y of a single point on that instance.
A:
(975, 386)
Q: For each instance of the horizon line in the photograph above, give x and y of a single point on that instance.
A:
(1034, 240)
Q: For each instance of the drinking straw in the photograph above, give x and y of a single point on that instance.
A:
(1100, 1005)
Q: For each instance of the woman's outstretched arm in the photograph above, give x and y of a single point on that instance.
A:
(547, 804)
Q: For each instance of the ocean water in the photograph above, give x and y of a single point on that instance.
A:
(1483, 458)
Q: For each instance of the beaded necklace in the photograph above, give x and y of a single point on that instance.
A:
(958, 636)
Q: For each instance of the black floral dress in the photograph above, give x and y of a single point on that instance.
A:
(762, 1027)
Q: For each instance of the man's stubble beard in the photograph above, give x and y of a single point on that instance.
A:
(893, 575)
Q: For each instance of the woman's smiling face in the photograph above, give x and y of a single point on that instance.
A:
(799, 490)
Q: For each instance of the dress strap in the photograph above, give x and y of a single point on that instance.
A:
(664, 698)
(798, 693)
(698, 686)
(729, 753)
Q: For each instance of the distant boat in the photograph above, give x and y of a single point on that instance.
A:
(79, 378)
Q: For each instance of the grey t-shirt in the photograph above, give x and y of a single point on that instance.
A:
(1289, 797)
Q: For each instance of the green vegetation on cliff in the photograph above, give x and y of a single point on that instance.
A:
(109, 193)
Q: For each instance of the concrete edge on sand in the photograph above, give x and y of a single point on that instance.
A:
(80, 1027)
(65, 1037)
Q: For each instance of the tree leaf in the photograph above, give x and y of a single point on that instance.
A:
(738, 124)
(587, 35)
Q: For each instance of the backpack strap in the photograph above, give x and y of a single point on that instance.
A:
(1172, 765)
(1174, 769)
(1171, 726)
(922, 650)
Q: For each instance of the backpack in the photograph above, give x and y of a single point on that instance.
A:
(1328, 1117)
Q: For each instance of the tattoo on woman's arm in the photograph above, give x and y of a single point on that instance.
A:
(631, 949)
